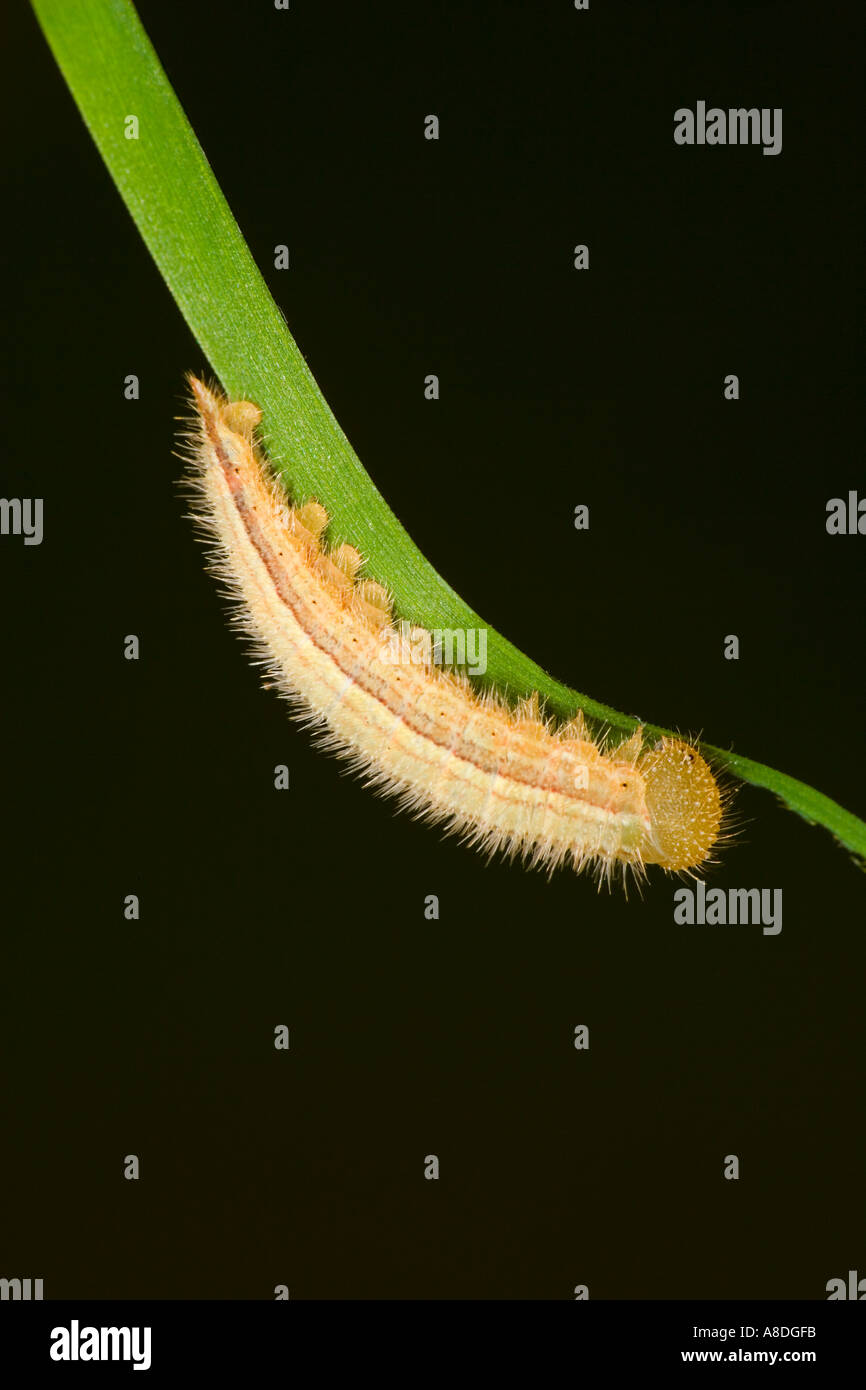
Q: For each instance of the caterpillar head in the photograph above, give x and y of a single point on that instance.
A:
(684, 805)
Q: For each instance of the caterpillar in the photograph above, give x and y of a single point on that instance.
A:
(505, 778)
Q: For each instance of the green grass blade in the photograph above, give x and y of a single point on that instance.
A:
(173, 196)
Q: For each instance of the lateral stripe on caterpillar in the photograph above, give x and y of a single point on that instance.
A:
(502, 777)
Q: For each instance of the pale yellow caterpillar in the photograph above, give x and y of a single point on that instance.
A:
(504, 778)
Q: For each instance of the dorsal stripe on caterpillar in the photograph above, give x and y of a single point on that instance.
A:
(501, 776)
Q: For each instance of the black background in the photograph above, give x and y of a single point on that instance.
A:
(454, 1037)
